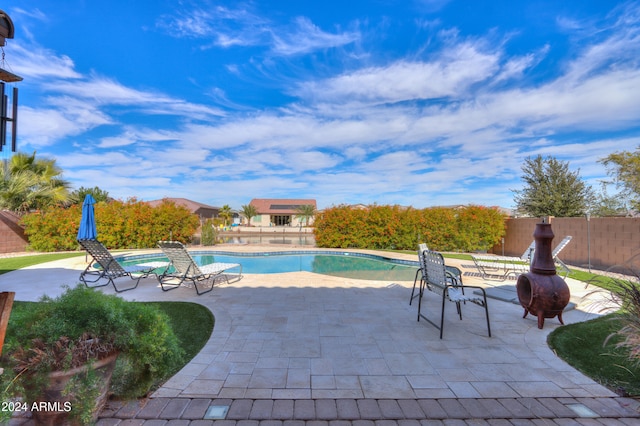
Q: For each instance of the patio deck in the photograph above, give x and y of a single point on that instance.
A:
(292, 343)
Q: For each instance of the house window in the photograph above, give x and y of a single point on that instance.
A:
(281, 220)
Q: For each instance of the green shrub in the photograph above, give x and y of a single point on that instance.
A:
(338, 227)
(439, 229)
(393, 227)
(141, 333)
(121, 225)
(54, 229)
(478, 228)
(80, 327)
(209, 233)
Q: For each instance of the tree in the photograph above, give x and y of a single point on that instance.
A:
(208, 233)
(28, 183)
(77, 196)
(249, 211)
(226, 213)
(624, 167)
(608, 205)
(305, 212)
(551, 189)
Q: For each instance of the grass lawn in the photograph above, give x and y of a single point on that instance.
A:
(9, 264)
(183, 316)
(582, 345)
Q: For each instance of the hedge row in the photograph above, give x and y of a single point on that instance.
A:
(121, 224)
(466, 229)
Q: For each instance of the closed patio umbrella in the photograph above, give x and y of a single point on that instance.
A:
(87, 230)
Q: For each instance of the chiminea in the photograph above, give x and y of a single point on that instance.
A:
(541, 291)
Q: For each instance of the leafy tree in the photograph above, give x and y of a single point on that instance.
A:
(249, 211)
(608, 205)
(29, 183)
(624, 167)
(551, 189)
(98, 194)
(226, 213)
(208, 233)
(305, 212)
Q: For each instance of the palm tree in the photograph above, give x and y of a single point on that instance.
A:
(305, 212)
(226, 213)
(28, 183)
(249, 211)
(77, 196)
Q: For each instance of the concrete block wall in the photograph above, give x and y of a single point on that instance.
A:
(613, 240)
(12, 238)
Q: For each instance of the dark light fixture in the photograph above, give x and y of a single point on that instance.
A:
(7, 30)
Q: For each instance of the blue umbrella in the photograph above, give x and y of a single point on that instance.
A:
(87, 230)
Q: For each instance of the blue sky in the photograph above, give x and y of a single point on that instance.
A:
(415, 102)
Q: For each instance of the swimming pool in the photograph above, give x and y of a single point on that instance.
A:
(341, 264)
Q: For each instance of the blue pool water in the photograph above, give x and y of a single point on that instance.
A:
(347, 265)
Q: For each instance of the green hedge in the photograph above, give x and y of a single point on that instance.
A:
(121, 225)
(466, 229)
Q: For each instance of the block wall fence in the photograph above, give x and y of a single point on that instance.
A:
(12, 238)
(613, 240)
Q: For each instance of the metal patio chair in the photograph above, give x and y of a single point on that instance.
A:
(109, 269)
(421, 247)
(184, 269)
(446, 281)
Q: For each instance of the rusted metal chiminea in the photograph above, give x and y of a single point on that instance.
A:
(541, 291)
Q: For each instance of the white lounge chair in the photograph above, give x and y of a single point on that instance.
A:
(109, 269)
(501, 267)
(557, 251)
(183, 268)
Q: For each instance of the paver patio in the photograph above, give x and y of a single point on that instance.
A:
(304, 336)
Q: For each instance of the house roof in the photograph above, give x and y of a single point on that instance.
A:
(280, 205)
(193, 206)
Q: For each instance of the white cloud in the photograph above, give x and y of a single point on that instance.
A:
(308, 37)
(451, 74)
(105, 91)
(515, 67)
(117, 141)
(40, 127)
(131, 135)
(227, 27)
(36, 14)
(35, 62)
(221, 26)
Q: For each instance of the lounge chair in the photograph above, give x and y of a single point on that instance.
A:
(109, 269)
(182, 268)
(502, 266)
(554, 254)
